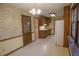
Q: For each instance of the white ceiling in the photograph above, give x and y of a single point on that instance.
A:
(46, 8)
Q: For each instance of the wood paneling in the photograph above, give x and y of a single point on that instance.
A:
(66, 25)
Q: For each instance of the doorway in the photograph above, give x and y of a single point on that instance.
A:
(26, 29)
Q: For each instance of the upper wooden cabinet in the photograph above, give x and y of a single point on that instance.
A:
(48, 20)
(40, 22)
(44, 20)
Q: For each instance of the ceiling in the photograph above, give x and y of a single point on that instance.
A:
(46, 8)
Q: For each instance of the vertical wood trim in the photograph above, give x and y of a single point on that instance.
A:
(66, 25)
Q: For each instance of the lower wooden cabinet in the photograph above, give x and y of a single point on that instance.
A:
(44, 33)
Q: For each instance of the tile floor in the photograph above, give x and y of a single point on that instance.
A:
(42, 47)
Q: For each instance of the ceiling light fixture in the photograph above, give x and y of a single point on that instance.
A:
(52, 14)
(35, 11)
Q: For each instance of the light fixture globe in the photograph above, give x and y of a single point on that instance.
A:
(52, 14)
(39, 11)
(35, 11)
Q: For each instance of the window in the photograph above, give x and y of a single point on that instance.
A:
(75, 24)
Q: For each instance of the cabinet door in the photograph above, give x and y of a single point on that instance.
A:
(40, 22)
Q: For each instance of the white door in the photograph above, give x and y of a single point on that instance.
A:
(59, 32)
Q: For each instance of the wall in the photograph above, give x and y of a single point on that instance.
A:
(10, 22)
(36, 28)
(10, 45)
(53, 25)
(10, 26)
(33, 28)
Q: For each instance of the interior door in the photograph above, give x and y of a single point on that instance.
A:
(59, 32)
(26, 27)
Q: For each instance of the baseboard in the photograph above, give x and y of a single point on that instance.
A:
(13, 51)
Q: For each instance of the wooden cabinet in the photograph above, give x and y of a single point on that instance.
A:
(44, 33)
(44, 20)
(48, 20)
(41, 22)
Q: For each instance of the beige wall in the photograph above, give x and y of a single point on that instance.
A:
(10, 45)
(10, 22)
(52, 25)
(10, 26)
(33, 28)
